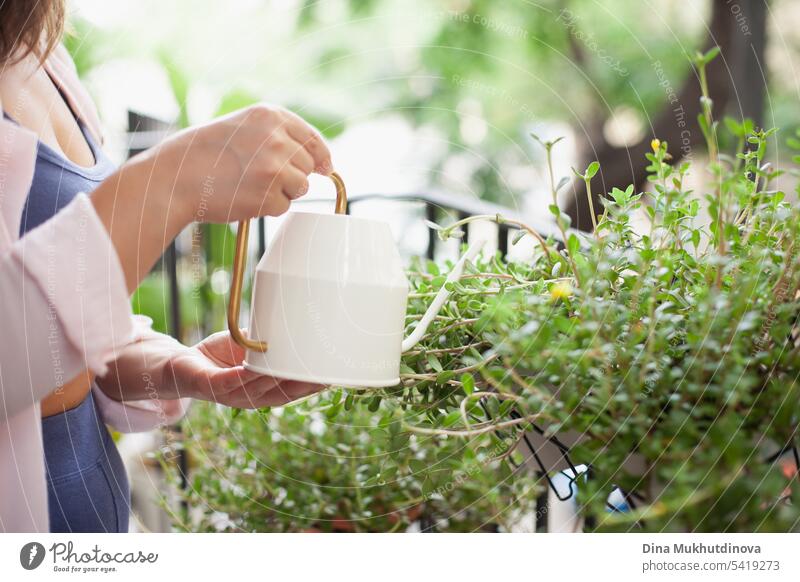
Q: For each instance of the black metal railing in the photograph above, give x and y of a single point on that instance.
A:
(461, 207)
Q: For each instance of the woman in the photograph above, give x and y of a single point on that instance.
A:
(76, 237)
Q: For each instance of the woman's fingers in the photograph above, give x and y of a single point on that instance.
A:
(288, 391)
(266, 393)
(261, 158)
(250, 393)
(221, 348)
(275, 204)
(311, 140)
(224, 381)
(298, 156)
(295, 183)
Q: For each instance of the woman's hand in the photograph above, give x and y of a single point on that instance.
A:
(250, 163)
(212, 370)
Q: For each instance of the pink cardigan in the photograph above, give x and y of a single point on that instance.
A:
(64, 308)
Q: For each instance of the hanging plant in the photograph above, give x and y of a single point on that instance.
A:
(668, 354)
(296, 469)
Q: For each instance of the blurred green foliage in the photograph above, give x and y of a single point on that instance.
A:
(438, 63)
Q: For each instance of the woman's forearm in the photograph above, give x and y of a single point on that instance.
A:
(141, 371)
(141, 216)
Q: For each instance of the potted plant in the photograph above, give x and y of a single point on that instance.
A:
(308, 467)
(668, 356)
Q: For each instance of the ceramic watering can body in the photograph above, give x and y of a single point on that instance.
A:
(329, 301)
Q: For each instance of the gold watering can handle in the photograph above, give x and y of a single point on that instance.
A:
(239, 260)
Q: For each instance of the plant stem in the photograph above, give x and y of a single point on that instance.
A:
(467, 399)
(499, 219)
(559, 222)
(713, 154)
(453, 350)
(591, 205)
(474, 431)
(463, 370)
(491, 291)
(454, 325)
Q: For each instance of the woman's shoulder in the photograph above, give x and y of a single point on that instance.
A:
(17, 157)
(62, 70)
(61, 55)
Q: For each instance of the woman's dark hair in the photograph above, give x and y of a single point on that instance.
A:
(29, 26)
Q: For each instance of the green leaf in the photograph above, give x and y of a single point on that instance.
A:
(444, 377)
(388, 473)
(434, 363)
(234, 100)
(334, 410)
(592, 170)
(467, 384)
(505, 407)
(452, 418)
(418, 466)
(573, 244)
(427, 488)
(375, 403)
(734, 126)
(180, 85)
(703, 123)
(701, 60)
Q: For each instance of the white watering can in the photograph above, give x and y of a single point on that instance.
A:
(329, 300)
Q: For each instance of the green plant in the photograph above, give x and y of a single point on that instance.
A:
(670, 352)
(297, 469)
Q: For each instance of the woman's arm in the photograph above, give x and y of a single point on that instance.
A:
(63, 304)
(141, 219)
(64, 286)
(251, 163)
(136, 375)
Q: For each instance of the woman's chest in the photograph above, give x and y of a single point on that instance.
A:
(31, 98)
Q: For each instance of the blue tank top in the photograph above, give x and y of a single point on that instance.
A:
(87, 485)
(57, 180)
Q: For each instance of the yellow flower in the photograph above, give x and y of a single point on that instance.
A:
(655, 144)
(560, 290)
(658, 509)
